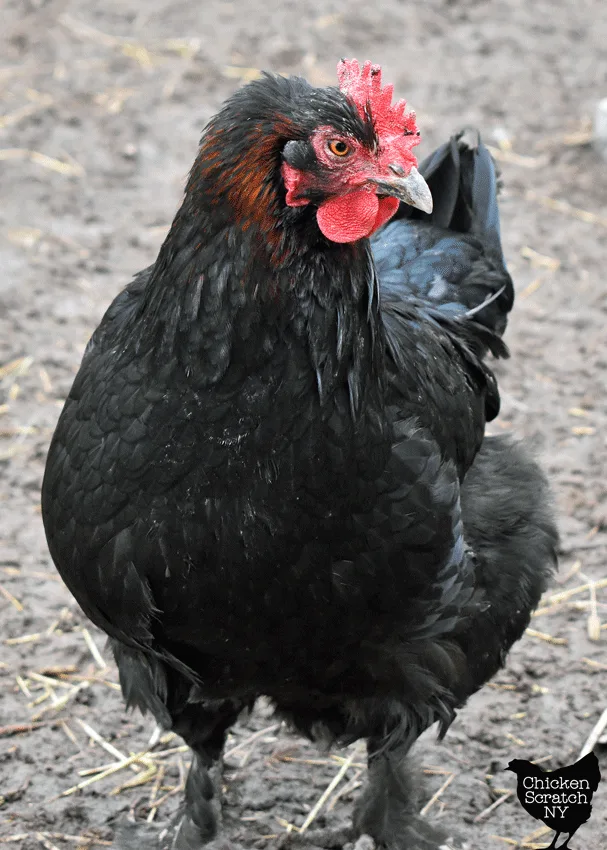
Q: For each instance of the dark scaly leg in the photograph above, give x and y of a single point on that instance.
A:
(150, 684)
(203, 726)
(388, 808)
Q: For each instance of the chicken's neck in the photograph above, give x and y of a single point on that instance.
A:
(221, 302)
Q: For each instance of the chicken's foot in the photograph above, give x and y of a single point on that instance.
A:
(388, 808)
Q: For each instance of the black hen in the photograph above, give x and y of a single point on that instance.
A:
(560, 798)
(270, 475)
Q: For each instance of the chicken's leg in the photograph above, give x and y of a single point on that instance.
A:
(552, 846)
(565, 845)
(151, 684)
(203, 726)
(388, 808)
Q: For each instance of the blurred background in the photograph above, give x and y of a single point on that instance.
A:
(101, 109)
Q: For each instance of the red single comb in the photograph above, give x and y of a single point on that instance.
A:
(374, 102)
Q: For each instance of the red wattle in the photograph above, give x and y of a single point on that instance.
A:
(387, 208)
(354, 216)
(349, 217)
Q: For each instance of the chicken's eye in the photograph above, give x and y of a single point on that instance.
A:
(339, 147)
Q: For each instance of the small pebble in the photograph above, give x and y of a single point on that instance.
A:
(600, 128)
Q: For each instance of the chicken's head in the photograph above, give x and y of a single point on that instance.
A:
(519, 766)
(356, 167)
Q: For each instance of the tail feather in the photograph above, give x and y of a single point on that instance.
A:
(451, 259)
(464, 184)
(442, 171)
(485, 219)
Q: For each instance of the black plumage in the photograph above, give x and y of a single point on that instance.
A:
(560, 798)
(270, 475)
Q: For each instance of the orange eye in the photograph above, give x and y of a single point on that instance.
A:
(339, 147)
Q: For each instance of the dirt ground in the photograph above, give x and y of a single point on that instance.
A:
(103, 107)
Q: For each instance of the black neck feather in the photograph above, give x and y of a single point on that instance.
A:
(240, 273)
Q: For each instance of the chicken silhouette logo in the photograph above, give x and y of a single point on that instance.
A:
(561, 798)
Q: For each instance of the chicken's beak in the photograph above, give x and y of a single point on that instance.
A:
(412, 189)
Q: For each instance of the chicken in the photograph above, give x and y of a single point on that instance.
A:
(270, 476)
(560, 798)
